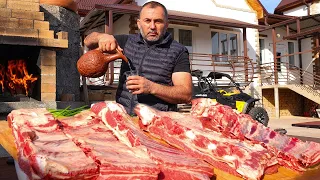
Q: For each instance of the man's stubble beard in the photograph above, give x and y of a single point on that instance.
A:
(154, 41)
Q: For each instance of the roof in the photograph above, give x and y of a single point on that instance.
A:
(286, 5)
(258, 7)
(299, 27)
(84, 6)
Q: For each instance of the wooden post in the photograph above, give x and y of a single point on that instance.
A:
(108, 28)
(84, 80)
(276, 101)
(316, 61)
(245, 53)
(300, 60)
(298, 26)
(274, 39)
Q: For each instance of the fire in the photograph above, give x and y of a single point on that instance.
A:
(2, 76)
(16, 77)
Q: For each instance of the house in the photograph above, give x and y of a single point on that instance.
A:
(220, 35)
(289, 58)
(235, 36)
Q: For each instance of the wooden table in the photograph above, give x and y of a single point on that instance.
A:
(7, 141)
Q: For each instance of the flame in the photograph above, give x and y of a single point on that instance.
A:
(2, 76)
(18, 76)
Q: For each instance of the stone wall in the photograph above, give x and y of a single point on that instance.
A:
(268, 101)
(291, 103)
(68, 78)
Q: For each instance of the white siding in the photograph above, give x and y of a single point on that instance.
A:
(298, 11)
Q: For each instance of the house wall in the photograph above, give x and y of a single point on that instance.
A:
(315, 7)
(307, 63)
(233, 9)
(121, 25)
(298, 11)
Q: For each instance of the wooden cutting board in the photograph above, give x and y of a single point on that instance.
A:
(7, 141)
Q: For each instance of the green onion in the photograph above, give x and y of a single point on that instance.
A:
(67, 112)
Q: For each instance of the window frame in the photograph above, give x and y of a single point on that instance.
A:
(262, 52)
(294, 56)
(238, 38)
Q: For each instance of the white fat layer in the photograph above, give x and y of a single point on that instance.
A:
(146, 114)
(121, 135)
(56, 167)
(229, 158)
(114, 107)
(212, 146)
(190, 135)
(42, 162)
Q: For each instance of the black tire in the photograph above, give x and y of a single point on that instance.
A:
(259, 114)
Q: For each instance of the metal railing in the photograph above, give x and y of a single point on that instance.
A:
(288, 74)
(239, 67)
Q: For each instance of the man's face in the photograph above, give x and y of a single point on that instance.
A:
(152, 23)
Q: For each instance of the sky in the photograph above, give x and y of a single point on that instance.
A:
(270, 5)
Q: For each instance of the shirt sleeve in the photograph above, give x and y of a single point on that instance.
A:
(183, 63)
(121, 39)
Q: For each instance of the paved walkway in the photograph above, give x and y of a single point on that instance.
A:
(311, 134)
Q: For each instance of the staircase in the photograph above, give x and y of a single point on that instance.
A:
(305, 83)
(306, 91)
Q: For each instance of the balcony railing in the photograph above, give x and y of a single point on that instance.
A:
(288, 74)
(239, 67)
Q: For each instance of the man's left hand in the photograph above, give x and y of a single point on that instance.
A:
(139, 85)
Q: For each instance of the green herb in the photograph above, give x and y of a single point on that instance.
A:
(67, 112)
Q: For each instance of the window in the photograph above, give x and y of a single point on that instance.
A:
(291, 51)
(171, 31)
(262, 48)
(185, 37)
(224, 44)
(234, 45)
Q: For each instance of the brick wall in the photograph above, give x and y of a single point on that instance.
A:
(22, 18)
(291, 103)
(48, 74)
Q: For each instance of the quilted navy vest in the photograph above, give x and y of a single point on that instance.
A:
(155, 63)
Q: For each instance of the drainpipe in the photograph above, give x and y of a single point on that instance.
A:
(308, 6)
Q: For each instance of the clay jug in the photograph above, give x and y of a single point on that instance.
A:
(94, 63)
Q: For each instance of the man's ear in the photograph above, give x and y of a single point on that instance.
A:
(138, 23)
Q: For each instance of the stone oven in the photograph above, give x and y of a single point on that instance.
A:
(39, 48)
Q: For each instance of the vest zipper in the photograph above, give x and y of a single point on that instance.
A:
(138, 72)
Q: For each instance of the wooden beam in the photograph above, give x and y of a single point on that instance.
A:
(108, 28)
(183, 23)
(289, 21)
(301, 34)
(298, 26)
(94, 23)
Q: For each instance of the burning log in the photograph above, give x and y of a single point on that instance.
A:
(16, 77)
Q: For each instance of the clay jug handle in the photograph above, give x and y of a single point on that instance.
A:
(121, 55)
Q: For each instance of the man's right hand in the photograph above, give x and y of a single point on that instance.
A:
(107, 43)
(104, 42)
